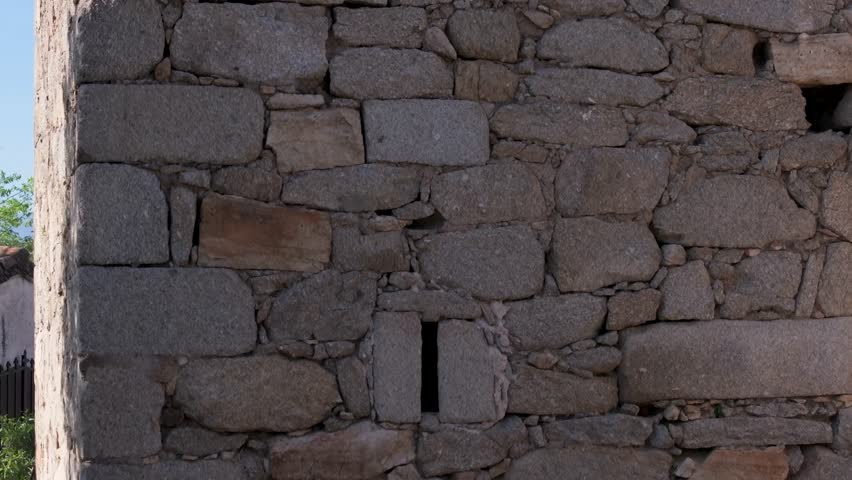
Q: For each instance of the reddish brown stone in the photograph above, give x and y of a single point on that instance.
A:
(240, 233)
(753, 464)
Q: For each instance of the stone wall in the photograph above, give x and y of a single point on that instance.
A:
(16, 304)
(557, 239)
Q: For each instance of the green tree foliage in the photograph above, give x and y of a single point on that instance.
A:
(17, 448)
(16, 210)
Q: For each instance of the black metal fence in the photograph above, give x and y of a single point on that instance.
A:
(16, 387)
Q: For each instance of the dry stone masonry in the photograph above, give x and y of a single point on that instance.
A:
(434, 239)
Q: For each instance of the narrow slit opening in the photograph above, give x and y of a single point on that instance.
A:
(429, 367)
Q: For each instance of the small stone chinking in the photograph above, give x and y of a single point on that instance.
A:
(555, 239)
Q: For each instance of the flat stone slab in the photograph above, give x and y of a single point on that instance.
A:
(267, 393)
(751, 103)
(168, 123)
(549, 392)
(722, 359)
(576, 463)
(431, 304)
(240, 233)
(363, 73)
(396, 27)
(753, 431)
(617, 430)
(554, 322)
(164, 311)
(397, 347)
(458, 449)
(492, 264)
(236, 41)
(814, 60)
(793, 16)
(734, 211)
(316, 139)
(591, 86)
(360, 452)
(485, 34)
(426, 132)
(564, 123)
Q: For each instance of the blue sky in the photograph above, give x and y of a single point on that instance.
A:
(16, 87)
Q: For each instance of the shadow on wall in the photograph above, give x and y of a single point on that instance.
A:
(16, 304)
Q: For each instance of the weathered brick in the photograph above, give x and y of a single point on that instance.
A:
(745, 431)
(397, 27)
(554, 322)
(404, 131)
(121, 216)
(316, 139)
(485, 34)
(364, 73)
(794, 16)
(361, 188)
(554, 122)
(590, 86)
(592, 462)
(548, 392)
(755, 104)
(327, 306)
(611, 180)
(589, 253)
(168, 123)
(492, 264)
(164, 311)
(468, 372)
(734, 211)
(396, 367)
(240, 233)
(489, 194)
(117, 40)
(234, 41)
(736, 359)
(268, 393)
(628, 48)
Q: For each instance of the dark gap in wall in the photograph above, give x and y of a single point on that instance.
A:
(382, 213)
(196, 232)
(760, 55)
(432, 222)
(820, 103)
(429, 367)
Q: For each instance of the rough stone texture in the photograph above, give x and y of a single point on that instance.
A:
(769, 281)
(233, 41)
(404, 131)
(485, 34)
(816, 60)
(735, 359)
(122, 216)
(182, 211)
(191, 124)
(470, 389)
(648, 8)
(546, 392)
(166, 470)
(589, 253)
(611, 180)
(163, 311)
(755, 104)
(729, 50)
(833, 297)
(617, 430)
(836, 205)
(758, 464)
(687, 294)
(823, 464)
(843, 432)
(489, 194)
(744, 431)
(457, 449)
(798, 15)
(361, 188)
(482, 80)
(554, 322)
(586, 8)
(806, 298)
(119, 416)
(363, 73)
(360, 452)
(597, 360)
(268, 393)
(661, 127)
(585, 85)
(579, 44)
(492, 264)
(200, 442)
(117, 40)
(254, 183)
(316, 139)
(396, 367)
(591, 462)
(377, 252)
(733, 211)
(553, 122)
(240, 233)
(327, 306)
(819, 150)
(352, 380)
(431, 304)
(630, 309)
(398, 27)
